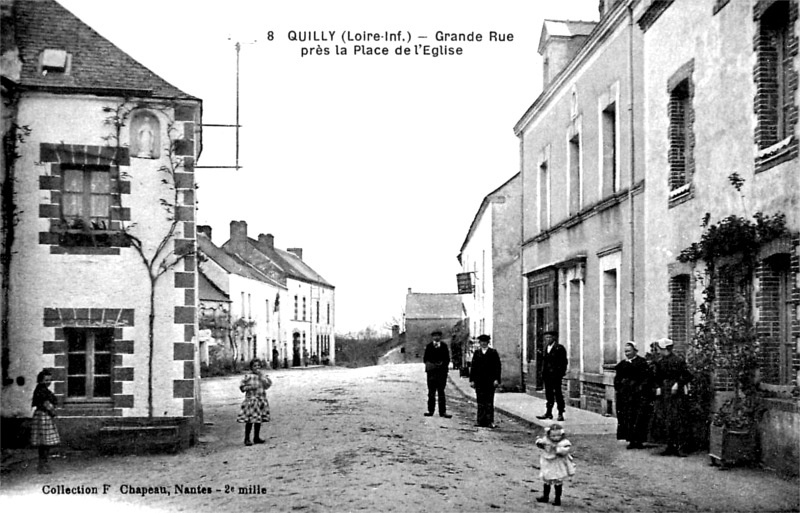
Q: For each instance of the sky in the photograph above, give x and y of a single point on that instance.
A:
(374, 165)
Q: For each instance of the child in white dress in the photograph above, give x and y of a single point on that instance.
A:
(555, 462)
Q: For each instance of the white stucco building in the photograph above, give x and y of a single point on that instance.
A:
(87, 213)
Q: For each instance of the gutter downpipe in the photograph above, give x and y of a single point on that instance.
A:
(523, 308)
(632, 211)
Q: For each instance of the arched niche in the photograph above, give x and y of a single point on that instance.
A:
(145, 135)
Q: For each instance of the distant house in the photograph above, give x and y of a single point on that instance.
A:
(307, 330)
(254, 316)
(426, 312)
(490, 254)
(213, 319)
(82, 210)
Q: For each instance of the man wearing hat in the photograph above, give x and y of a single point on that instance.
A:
(554, 367)
(437, 362)
(484, 377)
(631, 385)
(671, 378)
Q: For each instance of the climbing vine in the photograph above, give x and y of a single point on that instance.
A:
(725, 348)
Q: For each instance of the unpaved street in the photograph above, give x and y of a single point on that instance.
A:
(356, 440)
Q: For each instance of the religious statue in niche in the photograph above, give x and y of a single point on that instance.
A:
(145, 130)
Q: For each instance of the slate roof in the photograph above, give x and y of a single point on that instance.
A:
(299, 269)
(433, 306)
(210, 292)
(564, 28)
(285, 262)
(98, 66)
(232, 263)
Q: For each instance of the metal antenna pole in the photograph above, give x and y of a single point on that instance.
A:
(238, 48)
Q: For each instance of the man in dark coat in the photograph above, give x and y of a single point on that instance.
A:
(437, 362)
(671, 378)
(484, 377)
(631, 383)
(553, 369)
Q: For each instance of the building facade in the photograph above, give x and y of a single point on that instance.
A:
(582, 183)
(490, 254)
(308, 328)
(100, 282)
(255, 306)
(724, 102)
(425, 313)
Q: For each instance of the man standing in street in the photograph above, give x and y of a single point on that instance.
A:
(484, 377)
(437, 362)
(671, 377)
(553, 369)
(631, 385)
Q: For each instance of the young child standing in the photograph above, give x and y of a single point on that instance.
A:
(255, 407)
(44, 433)
(555, 463)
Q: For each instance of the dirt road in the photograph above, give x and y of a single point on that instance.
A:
(356, 440)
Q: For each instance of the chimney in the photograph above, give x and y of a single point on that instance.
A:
(205, 229)
(238, 231)
(409, 290)
(559, 43)
(298, 252)
(266, 242)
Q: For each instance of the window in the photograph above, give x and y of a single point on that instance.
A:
(775, 319)
(295, 308)
(544, 197)
(575, 185)
(680, 132)
(610, 308)
(608, 145)
(785, 307)
(774, 59)
(304, 308)
(680, 311)
(329, 314)
(89, 362)
(266, 311)
(317, 312)
(86, 198)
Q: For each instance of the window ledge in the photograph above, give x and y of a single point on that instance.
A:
(776, 154)
(680, 195)
(766, 152)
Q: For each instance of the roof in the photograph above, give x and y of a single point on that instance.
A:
(479, 214)
(97, 66)
(299, 269)
(232, 263)
(564, 28)
(433, 306)
(267, 260)
(207, 291)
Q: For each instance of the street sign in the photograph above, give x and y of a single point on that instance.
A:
(464, 283)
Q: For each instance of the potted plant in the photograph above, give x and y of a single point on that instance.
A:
(733, 436)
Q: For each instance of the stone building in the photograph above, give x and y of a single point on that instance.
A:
(425, 313)
(490, 254)
(582, 183)
(83, 211)
(255, 307)
(308, 328)
(723, 101)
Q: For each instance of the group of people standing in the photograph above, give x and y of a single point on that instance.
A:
(651, 397)
(484, 377)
